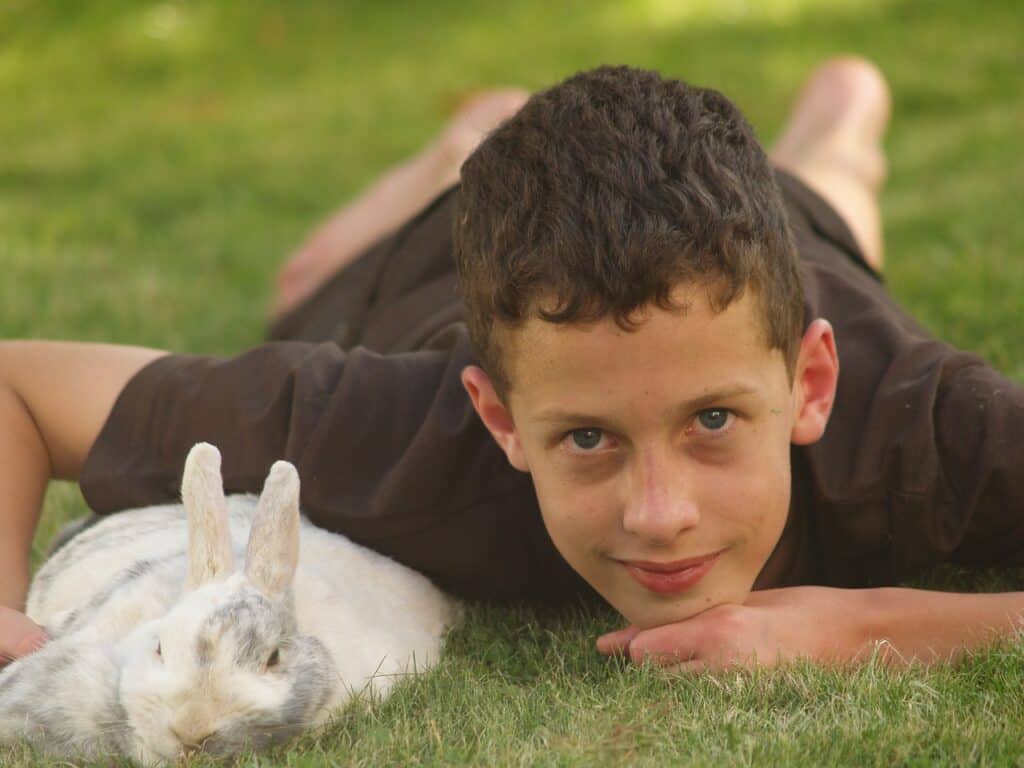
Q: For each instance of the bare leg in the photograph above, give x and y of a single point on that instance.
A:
(833, 143)
(392, 199)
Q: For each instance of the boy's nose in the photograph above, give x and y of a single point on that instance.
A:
(662, 504)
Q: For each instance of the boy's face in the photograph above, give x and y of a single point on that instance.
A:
(660, 456)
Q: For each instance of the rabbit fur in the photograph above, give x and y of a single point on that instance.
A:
(161, 647)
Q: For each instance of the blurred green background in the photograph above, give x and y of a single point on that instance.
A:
(158, 160)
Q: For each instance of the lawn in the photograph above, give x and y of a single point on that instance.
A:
(157, 161)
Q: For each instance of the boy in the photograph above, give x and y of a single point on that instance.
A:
(642, 343)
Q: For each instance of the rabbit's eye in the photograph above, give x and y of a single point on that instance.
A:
(275, 657)
(159, 650)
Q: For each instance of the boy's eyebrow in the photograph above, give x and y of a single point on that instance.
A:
(696, 404)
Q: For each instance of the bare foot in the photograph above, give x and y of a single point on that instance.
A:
(474, 118)
(833, 143)
(392, 199)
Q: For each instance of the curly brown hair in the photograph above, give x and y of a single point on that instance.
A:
(604, 193)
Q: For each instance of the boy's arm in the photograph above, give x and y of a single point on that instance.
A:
(828, 625)
(54, 398)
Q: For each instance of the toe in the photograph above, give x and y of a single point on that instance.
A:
(476, 117)
(840, 117)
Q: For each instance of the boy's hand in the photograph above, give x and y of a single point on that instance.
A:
(829, 625)
(19, 635)
(774, 625)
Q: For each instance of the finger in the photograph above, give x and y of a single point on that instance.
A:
(31, 643)
(616, 642)
(693, 667)
(666, 645)
(19, 635)
(674, 658)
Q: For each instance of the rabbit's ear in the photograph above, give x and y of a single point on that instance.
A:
(273, 550)
(209, 535)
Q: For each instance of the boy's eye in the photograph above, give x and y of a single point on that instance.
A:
(586, 439)
(714, 419)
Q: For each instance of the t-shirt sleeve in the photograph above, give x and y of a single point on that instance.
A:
(388, 449)
(922, 462)
(979, 429)
(923, 458)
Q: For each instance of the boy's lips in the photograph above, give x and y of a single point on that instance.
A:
(671, 577)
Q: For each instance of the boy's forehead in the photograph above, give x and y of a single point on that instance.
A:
(695, 349)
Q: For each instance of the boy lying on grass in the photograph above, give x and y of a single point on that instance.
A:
(613, 374)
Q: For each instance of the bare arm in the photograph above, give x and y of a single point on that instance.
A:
(830, 626)
(918, 625)
(54, 399)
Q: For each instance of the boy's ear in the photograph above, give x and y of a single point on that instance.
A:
(814, 383)
(494, 415)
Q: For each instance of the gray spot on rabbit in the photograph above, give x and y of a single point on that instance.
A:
(204, 652)
(76, 540)
(313, 684)
(306, 663)
(133, 573)
(43, 668)
(51, 670)
(254, 624)
(45, 700)
(70, 531)
(255, 731)
(10, 677)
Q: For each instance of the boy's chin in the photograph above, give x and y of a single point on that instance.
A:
(655, 612)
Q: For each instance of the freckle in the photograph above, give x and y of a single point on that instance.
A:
(707, 599)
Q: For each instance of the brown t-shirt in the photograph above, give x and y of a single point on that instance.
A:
(922, 461)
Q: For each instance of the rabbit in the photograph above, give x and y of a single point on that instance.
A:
(161, 647)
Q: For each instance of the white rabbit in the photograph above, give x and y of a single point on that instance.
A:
(161, 647)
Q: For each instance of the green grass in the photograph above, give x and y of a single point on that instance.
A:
(158, 160)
